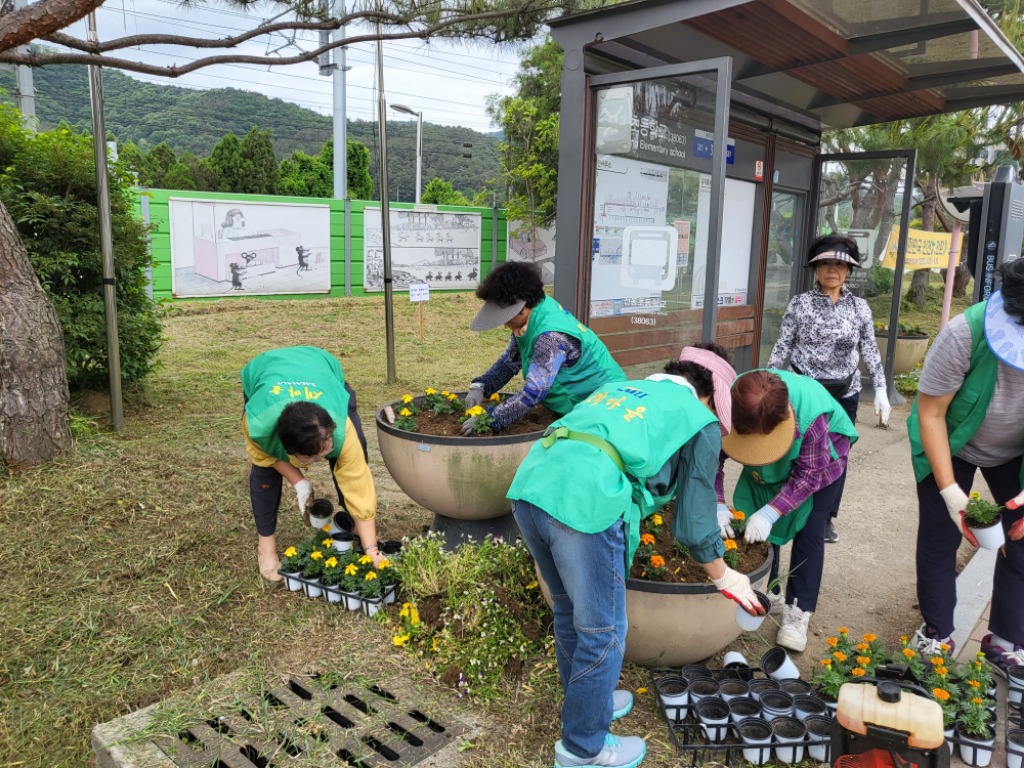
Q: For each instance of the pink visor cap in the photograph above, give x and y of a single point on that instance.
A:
(722, 375)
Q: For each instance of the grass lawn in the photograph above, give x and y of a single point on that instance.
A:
(130, 572)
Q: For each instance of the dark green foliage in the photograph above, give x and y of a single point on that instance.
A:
(259, 166)
(196, 121)
(313, 175)
(49, 188)
(225, 161)
(440, 192)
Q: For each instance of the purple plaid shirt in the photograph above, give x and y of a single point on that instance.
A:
(813, 469)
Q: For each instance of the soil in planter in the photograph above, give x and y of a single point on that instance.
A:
(536, 419)
(685, 569)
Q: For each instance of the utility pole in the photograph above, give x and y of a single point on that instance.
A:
(99, 143)
(24, 87)
(385, 215)
(338, 72)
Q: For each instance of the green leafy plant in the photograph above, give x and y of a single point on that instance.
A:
(739, 522)
(369, 586)
(483, 419)
(980, 512)
(441, 402)
(847, 661)
(292, 560)
(732, 557)
(475, 617)
(974, 718)
(313, 562)
(333, 572)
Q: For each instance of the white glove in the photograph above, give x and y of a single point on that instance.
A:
(475, 396)
(956, 503)
(736, 586)
(882, 407)
(760, 524)
(725, 521)
(303, 494)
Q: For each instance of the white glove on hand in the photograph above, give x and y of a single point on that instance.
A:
(956, 503)
(736, 587)
(882, 407)
(303, 494)
(475, 396)
(725, 522)
(760, 524)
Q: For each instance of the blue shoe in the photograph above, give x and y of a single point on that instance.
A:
(625, 752)
(622, 704)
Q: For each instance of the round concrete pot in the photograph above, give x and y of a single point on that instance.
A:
(464, 478)
(909, 352)
(675, 624)
(670, 625)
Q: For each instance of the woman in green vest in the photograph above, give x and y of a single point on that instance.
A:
(578, 498)
(298, 410)
(793, 439)
(967, 417)
(562, 361)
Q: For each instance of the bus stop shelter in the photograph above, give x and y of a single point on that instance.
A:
(654, 217)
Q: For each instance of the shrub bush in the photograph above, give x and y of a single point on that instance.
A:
(48, 184)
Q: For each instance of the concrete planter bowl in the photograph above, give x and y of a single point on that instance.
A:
(670, 625)
(910, 351)
(462, 478)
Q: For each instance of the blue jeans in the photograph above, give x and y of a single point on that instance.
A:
(585, 573)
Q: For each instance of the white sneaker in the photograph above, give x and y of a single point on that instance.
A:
(777, 600)
(624, 752)
(793, 632)
(929, 646)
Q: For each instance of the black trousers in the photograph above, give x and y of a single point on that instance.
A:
(265, 482)
(849, 405)
(938, 540)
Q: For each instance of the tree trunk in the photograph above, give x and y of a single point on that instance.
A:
(918, 291)
(33, 373)
(961, 277)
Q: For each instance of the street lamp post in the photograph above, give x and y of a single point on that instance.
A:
(419, 143)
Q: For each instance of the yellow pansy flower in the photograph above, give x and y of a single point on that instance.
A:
(291, 552)
(385, 563)
(405, 412)
(365, 560)
(370, 576)
(351, 569)
(327, 542)
(407, 399)
(656, 519)
(430, 391)
(331, 562)
(316, 554)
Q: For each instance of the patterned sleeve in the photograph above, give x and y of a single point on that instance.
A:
(504, 368)
(550, 352)
(787, 337)
(814, 468)
(869, 347)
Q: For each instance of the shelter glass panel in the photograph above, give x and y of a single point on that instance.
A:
(786, 222)
(653, 150)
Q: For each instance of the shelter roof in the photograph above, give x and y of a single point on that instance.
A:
(842, 63)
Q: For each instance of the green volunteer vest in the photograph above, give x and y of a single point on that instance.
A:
(757, 486)
(646, 422)
(969, 405)
(274, 379)
(572, 384)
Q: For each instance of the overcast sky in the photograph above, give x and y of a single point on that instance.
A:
(449, 84)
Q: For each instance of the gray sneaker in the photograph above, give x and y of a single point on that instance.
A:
(625, 752)
(831, 534)
(622, 704)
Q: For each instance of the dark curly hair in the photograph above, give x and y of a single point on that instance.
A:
(1013, 289)
(698, 375)
(511, 282)
(833, 243)
(302, 428)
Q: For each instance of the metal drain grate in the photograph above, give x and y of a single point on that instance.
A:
(304, 724)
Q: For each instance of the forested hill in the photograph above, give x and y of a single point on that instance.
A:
(194, 120)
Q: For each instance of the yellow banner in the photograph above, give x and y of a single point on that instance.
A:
(925, 250)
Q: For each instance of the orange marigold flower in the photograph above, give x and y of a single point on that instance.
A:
(942, 671)
(826, 662)
(936, 661)
(858, 672)
(861, 647)
(977, 702)
(904, 639)
(844, 631)
(839, 656)
(870, 638)
(647, 539)
(832, 641)
(737, 515)
(730, 545)
(909, 653)
(946, 647)
(940, 694)
(974, 683)
(863, 660)
(657, 561)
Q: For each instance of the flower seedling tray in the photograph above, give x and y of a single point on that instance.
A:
(696, 750)
(388, 591)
